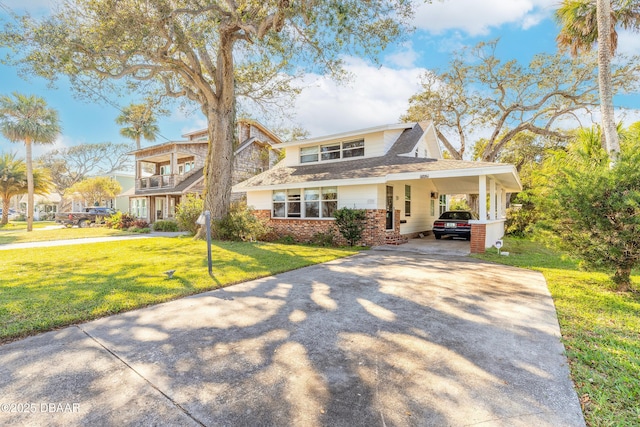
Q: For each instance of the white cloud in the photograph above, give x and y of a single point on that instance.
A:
(374, 96)
(478, 17)
(628, 42)
(30, 6)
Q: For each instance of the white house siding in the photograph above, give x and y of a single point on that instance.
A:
(358, 197)
(420, 219)
(260, 200)
(390, 137)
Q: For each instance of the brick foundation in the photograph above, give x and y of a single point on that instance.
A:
(478, 238)
(302, 230)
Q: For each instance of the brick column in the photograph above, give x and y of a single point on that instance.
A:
(478, 238)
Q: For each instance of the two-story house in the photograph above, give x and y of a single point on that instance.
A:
(165, 173)
(395, 172)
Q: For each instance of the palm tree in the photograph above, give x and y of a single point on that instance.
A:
(13, 181)
(585, 22)
(141, 123)
(28, 119)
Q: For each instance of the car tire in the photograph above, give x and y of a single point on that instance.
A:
(83, 223)
(437, 236)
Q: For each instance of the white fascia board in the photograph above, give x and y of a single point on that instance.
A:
(350, 134)
(310, 184)
(452, 173)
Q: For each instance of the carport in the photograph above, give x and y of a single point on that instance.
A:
(491, 182)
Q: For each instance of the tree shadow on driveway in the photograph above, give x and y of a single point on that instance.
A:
(375, 339)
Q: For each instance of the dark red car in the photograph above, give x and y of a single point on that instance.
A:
(453, 223)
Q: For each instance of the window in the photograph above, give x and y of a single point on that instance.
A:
(293, 203)
(407, 200)
(309, 154)
(312, 203)
(305, 203)
(165, 170)
(329, 201)
(139, 208)
(330, 152)
(333, 151)
(353, 149)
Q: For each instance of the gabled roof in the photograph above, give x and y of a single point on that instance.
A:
(394, 165)
(349, 134)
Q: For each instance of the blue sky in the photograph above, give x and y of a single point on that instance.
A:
(376, 95)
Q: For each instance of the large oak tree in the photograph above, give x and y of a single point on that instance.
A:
(479, 93)
(208, 51)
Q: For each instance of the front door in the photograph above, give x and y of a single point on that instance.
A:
(389, 207)
(159, 208)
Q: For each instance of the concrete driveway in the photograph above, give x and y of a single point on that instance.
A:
(377, 339)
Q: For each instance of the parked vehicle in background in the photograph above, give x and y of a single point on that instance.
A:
(453, 223)
(13, 214)
(89, 216)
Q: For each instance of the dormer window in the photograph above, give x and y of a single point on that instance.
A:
(353, 149)
(309, 154)
(335, 151)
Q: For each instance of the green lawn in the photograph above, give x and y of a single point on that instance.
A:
(20, 235)
(600, 330)
(45, 288)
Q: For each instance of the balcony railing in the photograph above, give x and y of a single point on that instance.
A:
(156, 181)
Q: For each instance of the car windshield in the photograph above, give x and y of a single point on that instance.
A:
(456, 215)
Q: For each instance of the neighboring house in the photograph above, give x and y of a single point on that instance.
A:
(166, 173)
(395, 172)
(45, 206)
(128, 182)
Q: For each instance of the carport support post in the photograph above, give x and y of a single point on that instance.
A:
(482, 197)
(492, 199)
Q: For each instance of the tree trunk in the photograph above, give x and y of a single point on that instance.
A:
(221, 122)
(609, 131)
(5, 211)
(30, 189)
(622, 278)
(138, 143)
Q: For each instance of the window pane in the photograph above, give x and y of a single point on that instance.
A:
(328, 208)
(278, 210)
(330, 152)
(309, 154)
(312, 194)
(293, 195)
(293, 209)
(352, 144)
(308, 159)
(331, 155)
(279, 196)
(407, 192)
(353, 149)
(331, 147)
(407, 208)
(312, 209)
(330, 193)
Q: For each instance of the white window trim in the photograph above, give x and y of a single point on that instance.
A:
(302, 202)
(318, 152)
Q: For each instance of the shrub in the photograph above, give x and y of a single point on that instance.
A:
(187, 213)
(323, 239)
(240, 224)
(350, 223)
(596, 212)
(287, 239)
(140, 223)
(120, 221)
(165, 225)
